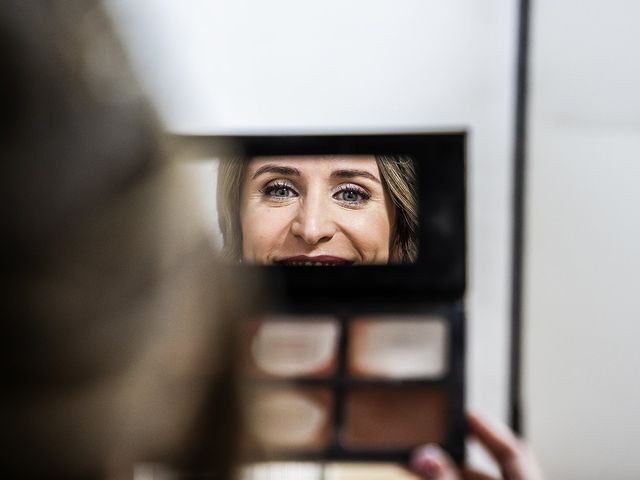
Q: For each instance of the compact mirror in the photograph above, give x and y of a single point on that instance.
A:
(385, 211)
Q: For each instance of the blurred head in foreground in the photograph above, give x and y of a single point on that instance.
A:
(114, 306)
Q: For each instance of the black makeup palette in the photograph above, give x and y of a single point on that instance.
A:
(370, 385)
(363, 362)
(438, 273)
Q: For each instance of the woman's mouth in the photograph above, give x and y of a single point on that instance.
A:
(317, 261)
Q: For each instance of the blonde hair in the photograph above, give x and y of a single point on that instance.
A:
(398, 175)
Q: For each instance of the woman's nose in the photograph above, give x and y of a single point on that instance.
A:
(313, 222)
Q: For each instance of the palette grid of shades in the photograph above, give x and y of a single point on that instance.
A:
(357, 386)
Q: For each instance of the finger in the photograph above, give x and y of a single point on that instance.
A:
(430, 462)
(516, 461)
(501, 443)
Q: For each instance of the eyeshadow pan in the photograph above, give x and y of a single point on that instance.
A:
(379, 417)
(398, 347)
(292, 418)
(290, 347)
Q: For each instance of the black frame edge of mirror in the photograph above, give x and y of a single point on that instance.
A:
(439, 273)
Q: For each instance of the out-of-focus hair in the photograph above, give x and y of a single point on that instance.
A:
(399, 178)
(114, 311)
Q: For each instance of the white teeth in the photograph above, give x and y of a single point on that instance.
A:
(312, 264)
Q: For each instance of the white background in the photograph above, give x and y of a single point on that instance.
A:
(582, 289)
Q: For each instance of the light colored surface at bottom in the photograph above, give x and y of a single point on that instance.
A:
(363, 471)
(294, 471)
(282, 471)
(332, 471)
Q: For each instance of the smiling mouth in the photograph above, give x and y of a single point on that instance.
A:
(319, 261)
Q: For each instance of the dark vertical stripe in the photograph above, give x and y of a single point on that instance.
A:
(519, 194)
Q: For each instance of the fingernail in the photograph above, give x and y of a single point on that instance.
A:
(427, 461)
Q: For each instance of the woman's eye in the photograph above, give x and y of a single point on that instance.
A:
(279, 191)
(351, 195)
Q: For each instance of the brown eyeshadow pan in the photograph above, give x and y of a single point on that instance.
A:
(382, 417)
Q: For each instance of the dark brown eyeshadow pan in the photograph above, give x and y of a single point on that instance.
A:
(382, 417)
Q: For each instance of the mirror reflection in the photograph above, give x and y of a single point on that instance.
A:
(318, 210)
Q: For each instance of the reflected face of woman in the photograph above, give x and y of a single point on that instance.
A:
(326, 210)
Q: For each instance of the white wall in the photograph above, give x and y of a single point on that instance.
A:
(335, 65)
(582, 289)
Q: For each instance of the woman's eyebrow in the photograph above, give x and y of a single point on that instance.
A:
(280, 170)
(354, 173)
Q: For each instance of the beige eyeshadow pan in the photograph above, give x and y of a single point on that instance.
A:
(292, 347)
(398, 347)
(292, 418)
(379, 417)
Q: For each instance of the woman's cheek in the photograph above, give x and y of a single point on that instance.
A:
(370, 233)
(262, 230)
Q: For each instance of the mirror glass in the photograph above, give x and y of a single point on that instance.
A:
(318, 210)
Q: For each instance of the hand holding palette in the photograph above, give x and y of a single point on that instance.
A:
(367, 386)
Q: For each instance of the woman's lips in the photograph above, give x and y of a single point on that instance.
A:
(317, 261)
